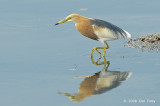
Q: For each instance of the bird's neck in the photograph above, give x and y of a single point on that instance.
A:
(79, 19)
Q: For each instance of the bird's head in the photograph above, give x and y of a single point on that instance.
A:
(72, 17)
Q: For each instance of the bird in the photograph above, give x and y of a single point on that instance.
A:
(96, 29)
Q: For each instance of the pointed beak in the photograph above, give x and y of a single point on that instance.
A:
(60, 22)
(56, 23)
(63, 21)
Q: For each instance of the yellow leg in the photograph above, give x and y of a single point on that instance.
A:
(105, 48)
(105, 62)
(96, 48)
(98, 51)
(106, 44)
(93, 51)
(104, 51)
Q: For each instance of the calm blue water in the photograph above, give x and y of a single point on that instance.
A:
(38, 61)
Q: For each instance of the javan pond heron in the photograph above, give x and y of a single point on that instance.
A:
(96, 29)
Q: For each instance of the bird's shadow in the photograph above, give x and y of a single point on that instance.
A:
(99, 82)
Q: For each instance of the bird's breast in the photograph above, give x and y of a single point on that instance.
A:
(86, 29)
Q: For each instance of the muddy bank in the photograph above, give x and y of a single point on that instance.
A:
(145, 42)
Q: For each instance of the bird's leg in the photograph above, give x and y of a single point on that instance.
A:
(106, 44)
(105, 48)
(93, 51)
(98, 51)
(105, 62)
(96, 48)
(95, 62)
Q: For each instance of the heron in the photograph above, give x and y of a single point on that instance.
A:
(96, 29)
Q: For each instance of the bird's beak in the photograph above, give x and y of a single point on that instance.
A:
(60, 22)
(63, 21)
(72, 97)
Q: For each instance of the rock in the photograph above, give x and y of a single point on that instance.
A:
(128, 41)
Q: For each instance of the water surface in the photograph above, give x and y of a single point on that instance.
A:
(38, 60)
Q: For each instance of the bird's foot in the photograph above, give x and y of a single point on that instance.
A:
(96, 48)
(98, 51)
(101, 61)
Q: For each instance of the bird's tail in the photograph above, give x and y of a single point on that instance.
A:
(124, 75)
(128, 35)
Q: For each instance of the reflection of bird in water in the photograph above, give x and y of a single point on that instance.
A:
(99, 83)
(109, 80)
(97, 30)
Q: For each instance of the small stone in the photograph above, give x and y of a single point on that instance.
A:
(157, 39)
(149, 38)
(143, 39)
(128, 41)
